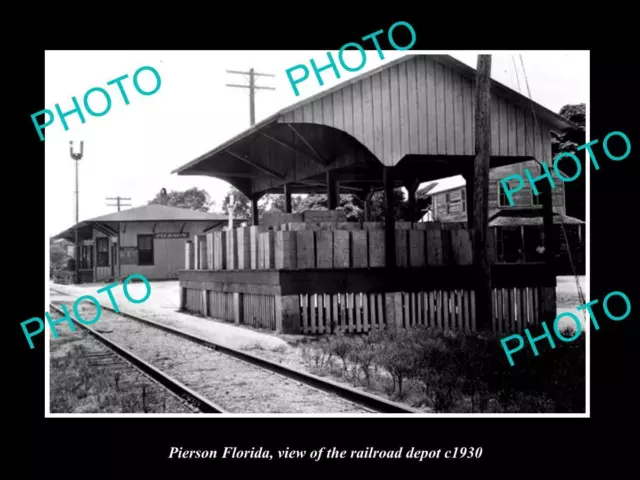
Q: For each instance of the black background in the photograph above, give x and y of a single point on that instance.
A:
(138, 447)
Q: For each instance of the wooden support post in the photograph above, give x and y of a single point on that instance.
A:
(332, 192)
(412, 187)
(484, 310)
(390, 221)
(254, 209)
(287, 198)
(367, 205)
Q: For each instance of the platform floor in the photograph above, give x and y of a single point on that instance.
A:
(162, 307)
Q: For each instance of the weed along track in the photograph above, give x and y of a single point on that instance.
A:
(87, 377)
(234, 385)
(103, 356)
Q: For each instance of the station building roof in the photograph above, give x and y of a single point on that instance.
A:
(145, 213)
(415, 113)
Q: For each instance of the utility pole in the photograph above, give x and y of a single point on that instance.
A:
(118, 203)
(484, 310)
(252, 88)
(231, 208)
(77, 157)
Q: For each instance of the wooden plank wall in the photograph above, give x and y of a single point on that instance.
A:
(330, 245)
(514, 310)
(422, 107)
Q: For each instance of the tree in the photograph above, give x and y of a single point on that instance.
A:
(275, 203)
(58, 256)
(192, 199)
(241, 204)
(312, 202)
(569, 142)
(378, 206)
(349, 203)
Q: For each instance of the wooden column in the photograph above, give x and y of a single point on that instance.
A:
(367, 205)
(412, 187)
(254, 209)
(389, 217)
(287, 198)
(332, 192)
(484, 310)
(548, 298)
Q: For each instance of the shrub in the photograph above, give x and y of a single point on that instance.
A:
(340, 346)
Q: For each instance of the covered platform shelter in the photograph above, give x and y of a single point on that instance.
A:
(407, 122)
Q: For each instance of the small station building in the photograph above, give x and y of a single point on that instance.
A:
(149, 240)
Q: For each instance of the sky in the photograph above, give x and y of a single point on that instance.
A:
(131, 150)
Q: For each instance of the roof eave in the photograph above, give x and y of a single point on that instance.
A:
(228, 143)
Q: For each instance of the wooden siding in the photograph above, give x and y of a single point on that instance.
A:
(422, 107)
(522, 198)
(441, 210)
(168, 253)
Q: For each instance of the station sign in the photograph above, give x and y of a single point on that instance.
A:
(164, 236)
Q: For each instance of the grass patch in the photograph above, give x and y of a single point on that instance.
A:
(77, 386)
(455, 371)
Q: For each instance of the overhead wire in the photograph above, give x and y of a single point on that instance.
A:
(535, 123)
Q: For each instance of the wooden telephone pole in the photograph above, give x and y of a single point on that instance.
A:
(484, 310)
(252, 88)
(118, 203)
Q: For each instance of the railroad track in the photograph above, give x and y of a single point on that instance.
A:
(367, 402)
(171, 384)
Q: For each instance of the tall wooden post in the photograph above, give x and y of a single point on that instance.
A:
(367, 205)
(412, 188)
(332, 192)
(287, 198)
(389, 218)
(254, 209)
(484, 311)
(252, 88)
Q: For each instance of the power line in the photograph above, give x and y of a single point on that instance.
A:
(118, 202)
(252, 88)
(573, 269)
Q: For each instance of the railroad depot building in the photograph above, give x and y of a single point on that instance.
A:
(517, 228)
(407, 122)
(149, 240)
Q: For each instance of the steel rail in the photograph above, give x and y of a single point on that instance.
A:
(363, 399)
(171, 384)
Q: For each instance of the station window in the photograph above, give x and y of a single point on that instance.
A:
(145, 249)
(535, 199)
(102, 251)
